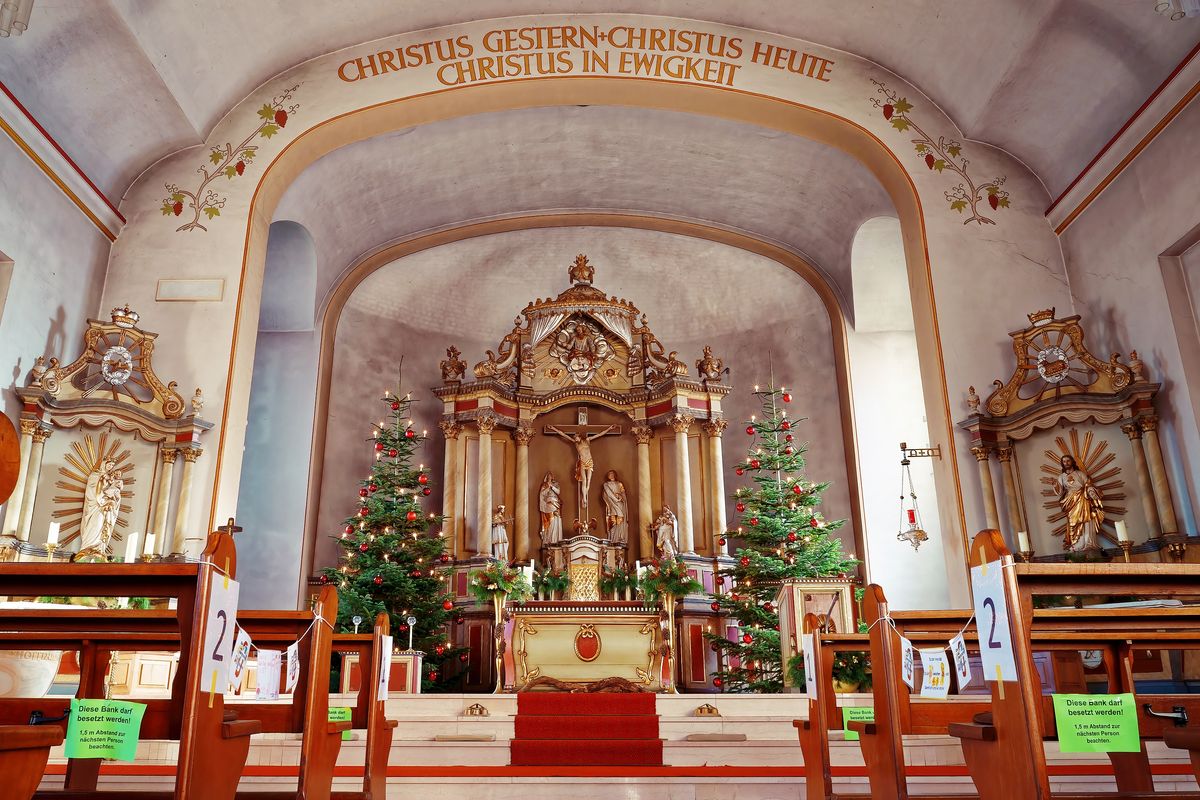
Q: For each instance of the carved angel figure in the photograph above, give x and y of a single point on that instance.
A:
(665, 541)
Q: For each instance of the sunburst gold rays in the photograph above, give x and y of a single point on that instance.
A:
(1095, 459)
(81, 460)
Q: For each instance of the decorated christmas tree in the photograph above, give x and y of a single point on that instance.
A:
(392, 548)
(784, 537)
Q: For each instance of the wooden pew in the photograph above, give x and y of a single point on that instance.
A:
(370, 710)
(1003, 748)
(24, 751)
(213, 744)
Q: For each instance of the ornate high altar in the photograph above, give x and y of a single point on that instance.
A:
(583, 445)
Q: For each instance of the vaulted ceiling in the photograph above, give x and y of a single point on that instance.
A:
(121, 83)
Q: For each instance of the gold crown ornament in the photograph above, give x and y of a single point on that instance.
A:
(1039, 317)
(125, 317)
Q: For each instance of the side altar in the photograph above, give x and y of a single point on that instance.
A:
(582, 447)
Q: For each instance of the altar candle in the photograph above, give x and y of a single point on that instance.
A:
(1122, 531)
(1023, 542)
(912, 516)
(131, 550)
(148, 548)
(52, 533)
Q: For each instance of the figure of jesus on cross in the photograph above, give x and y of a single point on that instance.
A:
(582, 436)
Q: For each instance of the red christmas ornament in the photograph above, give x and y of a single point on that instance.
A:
(755, 463)
(462, 656)
(444, 558)
(816, 523)
(768, 606)
(791, 536)
(439, 650)
(796, 489)
(787, 397)
(416, 573)
(378, 580)
(427, 491)
(787, 451)
(460, 621)
(745, 561)
(379, 445)
(715, 606)
(374, 487)
(734, 597)
(422, 479)
(362, 512)
(754, 520)
(433, 675)
(722, 541)
(408, 434)
(750, 430)
(349, 529)
(403, 628)
(787, 426)
(717, 682)
(740, 471)
(447, 604)
(324, 579)
(747, 638)
(363, 547)
(740, 507)
(411, 516)
(720, 580)
(395, 405)
(393, 452)
(363, 492)
(787, 438)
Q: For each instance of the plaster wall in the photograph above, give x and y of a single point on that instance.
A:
(57, 274)
(1112, 252)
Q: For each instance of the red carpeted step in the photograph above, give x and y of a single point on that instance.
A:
(608, 726)
(575, 752)
(560, 703)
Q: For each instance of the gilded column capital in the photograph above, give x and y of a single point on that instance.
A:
(486, 424)
(1132, 430)
(1149, 423)
(714, 427)
(28, 426)
(169, 454)
(642, 433)
(41, 434)
(190, 454)
(981, 452)
(680, 423)
(1004, 454)
(450, 428)
(523, 435)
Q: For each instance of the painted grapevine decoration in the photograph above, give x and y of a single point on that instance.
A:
(940, 155)
(230, 162)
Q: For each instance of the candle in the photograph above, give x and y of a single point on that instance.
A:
(148, 548)
(1122, 531)
(1023, 542)
(131, 550)
(52, 533)
(912, 516)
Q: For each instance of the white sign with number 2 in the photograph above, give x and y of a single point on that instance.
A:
(991, 621)
(218, 633)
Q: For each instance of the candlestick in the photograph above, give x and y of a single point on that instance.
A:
(52, 534)
(1126, 545)
(131, 550)
(1023, 541)
(1122, 531)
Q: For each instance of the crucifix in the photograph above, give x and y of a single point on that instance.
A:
(581, 435)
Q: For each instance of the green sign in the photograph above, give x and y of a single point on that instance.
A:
(103, 729)
(1096, 723)
(856, 713)
(341, 715)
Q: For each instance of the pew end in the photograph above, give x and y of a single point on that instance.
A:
(24, 751)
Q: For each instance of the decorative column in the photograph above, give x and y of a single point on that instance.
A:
(1158, 475)
(713, 429)
(642, 433)
(991, 514)
(1145, 487)
(33, 474)
(1009, 473)
(450, 527)
(483, 510)
(12, 514)
(181, 542)
(162, 500)
(522, 436)
(683, 483)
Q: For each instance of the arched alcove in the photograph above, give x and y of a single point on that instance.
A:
(889, 408)
(274, 480)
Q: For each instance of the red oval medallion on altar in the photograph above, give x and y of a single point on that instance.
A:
(587, 643)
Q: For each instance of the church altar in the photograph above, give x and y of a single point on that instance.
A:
(581, 446)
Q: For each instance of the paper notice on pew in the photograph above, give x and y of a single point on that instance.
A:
(103, 729)
(907, 667)
(342, 714)
(218, 633)
(1097, 723)
(385, 666)
(935, 674)
(853, 714)
(269, 662)
(991, 620)
(293, 667)
(962, 664)
(807, 648)
(241, 654)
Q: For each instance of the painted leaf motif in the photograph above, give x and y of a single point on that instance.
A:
(902, 106)
(230, 172)
(166, 209)
(267, 111)
(177, 198)
(992, 190)
(958, 205)
(269, 130)
(954, 150)
(1004, 202)
(921, 148)
(900, 123)
(939, 165)
(215, 156)
(247, 154)
(212, 211)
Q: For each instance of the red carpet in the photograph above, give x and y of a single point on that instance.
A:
(580, 730)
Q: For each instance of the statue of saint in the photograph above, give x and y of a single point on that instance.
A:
(550, 506)
(583, 454)
(500, 535)
(101, 507)
(665, 540)
(616, 508)
(1082, 504)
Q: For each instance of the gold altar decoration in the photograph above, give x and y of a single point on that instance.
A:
(498, 601)
(1057, 381)
(584, 581)
(578, 644)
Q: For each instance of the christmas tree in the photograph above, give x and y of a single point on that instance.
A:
(392, 549)
(784, 536)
